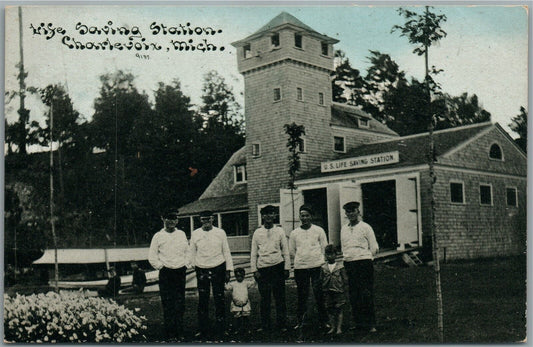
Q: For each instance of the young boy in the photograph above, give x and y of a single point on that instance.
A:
(334, 285)
(240, 303)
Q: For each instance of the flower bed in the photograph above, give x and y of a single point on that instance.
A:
(69, 317)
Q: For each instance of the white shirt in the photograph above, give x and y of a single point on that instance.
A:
(210, 248)
(169, 250)
(269, 248)
(358, 242)
(239, 291)
(308, 246)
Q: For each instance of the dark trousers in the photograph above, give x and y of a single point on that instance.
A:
(272, 283)
(305, 277)
(361, 292)
(212, 277)
(172, 291)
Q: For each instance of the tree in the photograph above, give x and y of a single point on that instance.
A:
(347, 81)
(219, 104)
(406, 108)
(65, 126)
(116, 109)
(158, 175)
(294, 141)
(423, 30)
(383, 77)
(222, 133)
(461, 110)
(519, 126)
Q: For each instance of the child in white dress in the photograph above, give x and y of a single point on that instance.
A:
(240, 303)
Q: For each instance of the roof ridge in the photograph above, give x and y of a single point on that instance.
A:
(463, 127)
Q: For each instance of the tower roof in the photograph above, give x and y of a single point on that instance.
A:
(281, 19)
(285, 19)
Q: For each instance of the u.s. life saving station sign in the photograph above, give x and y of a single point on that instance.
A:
(360, 162)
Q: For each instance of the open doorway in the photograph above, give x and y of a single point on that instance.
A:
(379, 210)
(318, 199)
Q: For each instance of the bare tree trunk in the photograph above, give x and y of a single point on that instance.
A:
(433, 179)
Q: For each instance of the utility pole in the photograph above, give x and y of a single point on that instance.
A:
(56, 265)
(23, 113)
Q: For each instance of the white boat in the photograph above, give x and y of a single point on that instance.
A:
(87, 267)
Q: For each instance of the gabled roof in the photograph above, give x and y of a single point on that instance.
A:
(223, 184)
(285, 19)
(216, 204)
(413, 149)
(346, 116)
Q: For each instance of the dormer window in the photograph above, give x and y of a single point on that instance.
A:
(247, 51)
(240, 173)
(495, 152)
(324, 48)
(363, 122)
(274, 40)
(297, 40)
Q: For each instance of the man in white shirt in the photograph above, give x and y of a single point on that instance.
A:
(270, 263)
(359, 246)
(211, 256)
(169, 254)
(307, 244)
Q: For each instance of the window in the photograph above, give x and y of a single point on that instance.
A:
(485, 194)
(240, 173)
(457, 193)
(324, 48)
(247, 51)
(277, 94)
(274, 40)
(338, 144)
(321, 98)
(512, 199)
(301, 147)
(495, 152)
(297, 40)
(256, 149)
(276, 219)
(299, 94)
(235, 223)
(363, 122)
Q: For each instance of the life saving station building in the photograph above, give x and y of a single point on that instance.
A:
(346, 155)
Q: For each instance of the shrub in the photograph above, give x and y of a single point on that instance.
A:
(69, 317)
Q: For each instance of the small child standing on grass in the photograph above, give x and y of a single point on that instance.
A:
(335, 286)
(240, 303)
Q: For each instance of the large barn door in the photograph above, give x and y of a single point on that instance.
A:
(287, 218)
(407, 210)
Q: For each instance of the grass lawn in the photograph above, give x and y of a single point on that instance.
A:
(484, 302)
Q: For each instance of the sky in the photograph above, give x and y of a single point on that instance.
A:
(485, 51)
